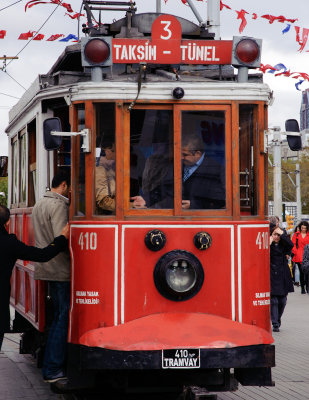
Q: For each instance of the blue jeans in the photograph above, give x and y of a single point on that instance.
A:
(56, 346)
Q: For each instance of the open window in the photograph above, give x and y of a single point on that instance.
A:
(152, 158)
(248, 137)
(105, 160)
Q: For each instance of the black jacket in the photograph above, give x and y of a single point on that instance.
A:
(12, 249)
(205, 188)
(280, 275)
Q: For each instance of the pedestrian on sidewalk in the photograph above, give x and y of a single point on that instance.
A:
(300, 239)
(12, 249)
(280, 277)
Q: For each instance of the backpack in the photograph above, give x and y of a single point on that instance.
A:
(305, 263)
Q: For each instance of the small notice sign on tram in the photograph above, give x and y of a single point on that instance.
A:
(181, 358)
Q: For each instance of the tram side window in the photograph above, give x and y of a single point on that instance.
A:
(23, 169)
(32, 173)
(247, 162)
(14, 193)
(203, 160)
(151, 159)
(105, 171)
(80, 166)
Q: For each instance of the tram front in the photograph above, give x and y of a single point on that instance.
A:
(169, 242)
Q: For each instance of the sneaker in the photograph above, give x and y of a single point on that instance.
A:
(276, 329)
(55, 378)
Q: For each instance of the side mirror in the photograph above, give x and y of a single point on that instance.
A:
(52, 142)
(294, 141)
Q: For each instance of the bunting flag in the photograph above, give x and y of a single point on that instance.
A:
(298, 84)
(54, 37)
(281, 18)
(2, 34)
(68, 38)
(286, 29)
(75, 16)
(32, 3)
(242, 16)
(222, 5)
(26, 36)
(302, 42)
(278, 67)
(39, 36)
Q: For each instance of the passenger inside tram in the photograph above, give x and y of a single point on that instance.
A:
(202, 177)
(106, 179)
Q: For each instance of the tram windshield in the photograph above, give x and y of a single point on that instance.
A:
(202, 160)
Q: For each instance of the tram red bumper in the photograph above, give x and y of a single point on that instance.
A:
(176, 330)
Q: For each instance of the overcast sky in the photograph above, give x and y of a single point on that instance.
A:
(38, 56)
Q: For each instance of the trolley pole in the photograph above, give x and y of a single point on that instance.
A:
(277, 175)
(298, 193)
(158, 6)
(213, 17)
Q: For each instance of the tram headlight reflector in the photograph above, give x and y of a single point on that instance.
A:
(180, 276)
(96, 51)
(246, 52)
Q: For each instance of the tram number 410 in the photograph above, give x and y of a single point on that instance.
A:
(262, 240)
(88, 241)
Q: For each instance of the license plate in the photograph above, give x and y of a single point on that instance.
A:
(181, 358)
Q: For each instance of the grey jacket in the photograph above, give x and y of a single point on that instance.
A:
(49, 216)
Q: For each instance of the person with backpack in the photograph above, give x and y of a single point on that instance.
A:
(300, 240)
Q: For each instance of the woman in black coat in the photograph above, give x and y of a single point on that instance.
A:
(12, 249)
(280, 276)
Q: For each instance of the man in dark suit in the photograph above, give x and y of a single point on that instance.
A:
(203, 185)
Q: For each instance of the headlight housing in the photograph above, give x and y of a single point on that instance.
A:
(178, 275)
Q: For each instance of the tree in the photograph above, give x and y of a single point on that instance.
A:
(288, 189)
(3, 191)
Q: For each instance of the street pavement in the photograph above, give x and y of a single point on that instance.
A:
(21, 379)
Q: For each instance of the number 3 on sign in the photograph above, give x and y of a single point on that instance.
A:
(89, 241)
(167, 30)
(262, 240)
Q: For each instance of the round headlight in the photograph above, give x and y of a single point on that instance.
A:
(97, 51)
(247, 51)
(178, 275)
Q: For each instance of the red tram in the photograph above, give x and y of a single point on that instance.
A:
(172, 293)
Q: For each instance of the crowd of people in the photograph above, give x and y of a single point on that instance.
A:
(288, 255)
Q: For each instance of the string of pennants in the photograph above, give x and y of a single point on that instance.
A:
(39, 36)
(32, 34)
(278, 70)
(301, 33)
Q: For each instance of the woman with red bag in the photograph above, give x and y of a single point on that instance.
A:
(300, 239)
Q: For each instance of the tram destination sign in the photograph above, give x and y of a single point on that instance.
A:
(167, 47)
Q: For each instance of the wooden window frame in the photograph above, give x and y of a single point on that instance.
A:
(122, 136)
